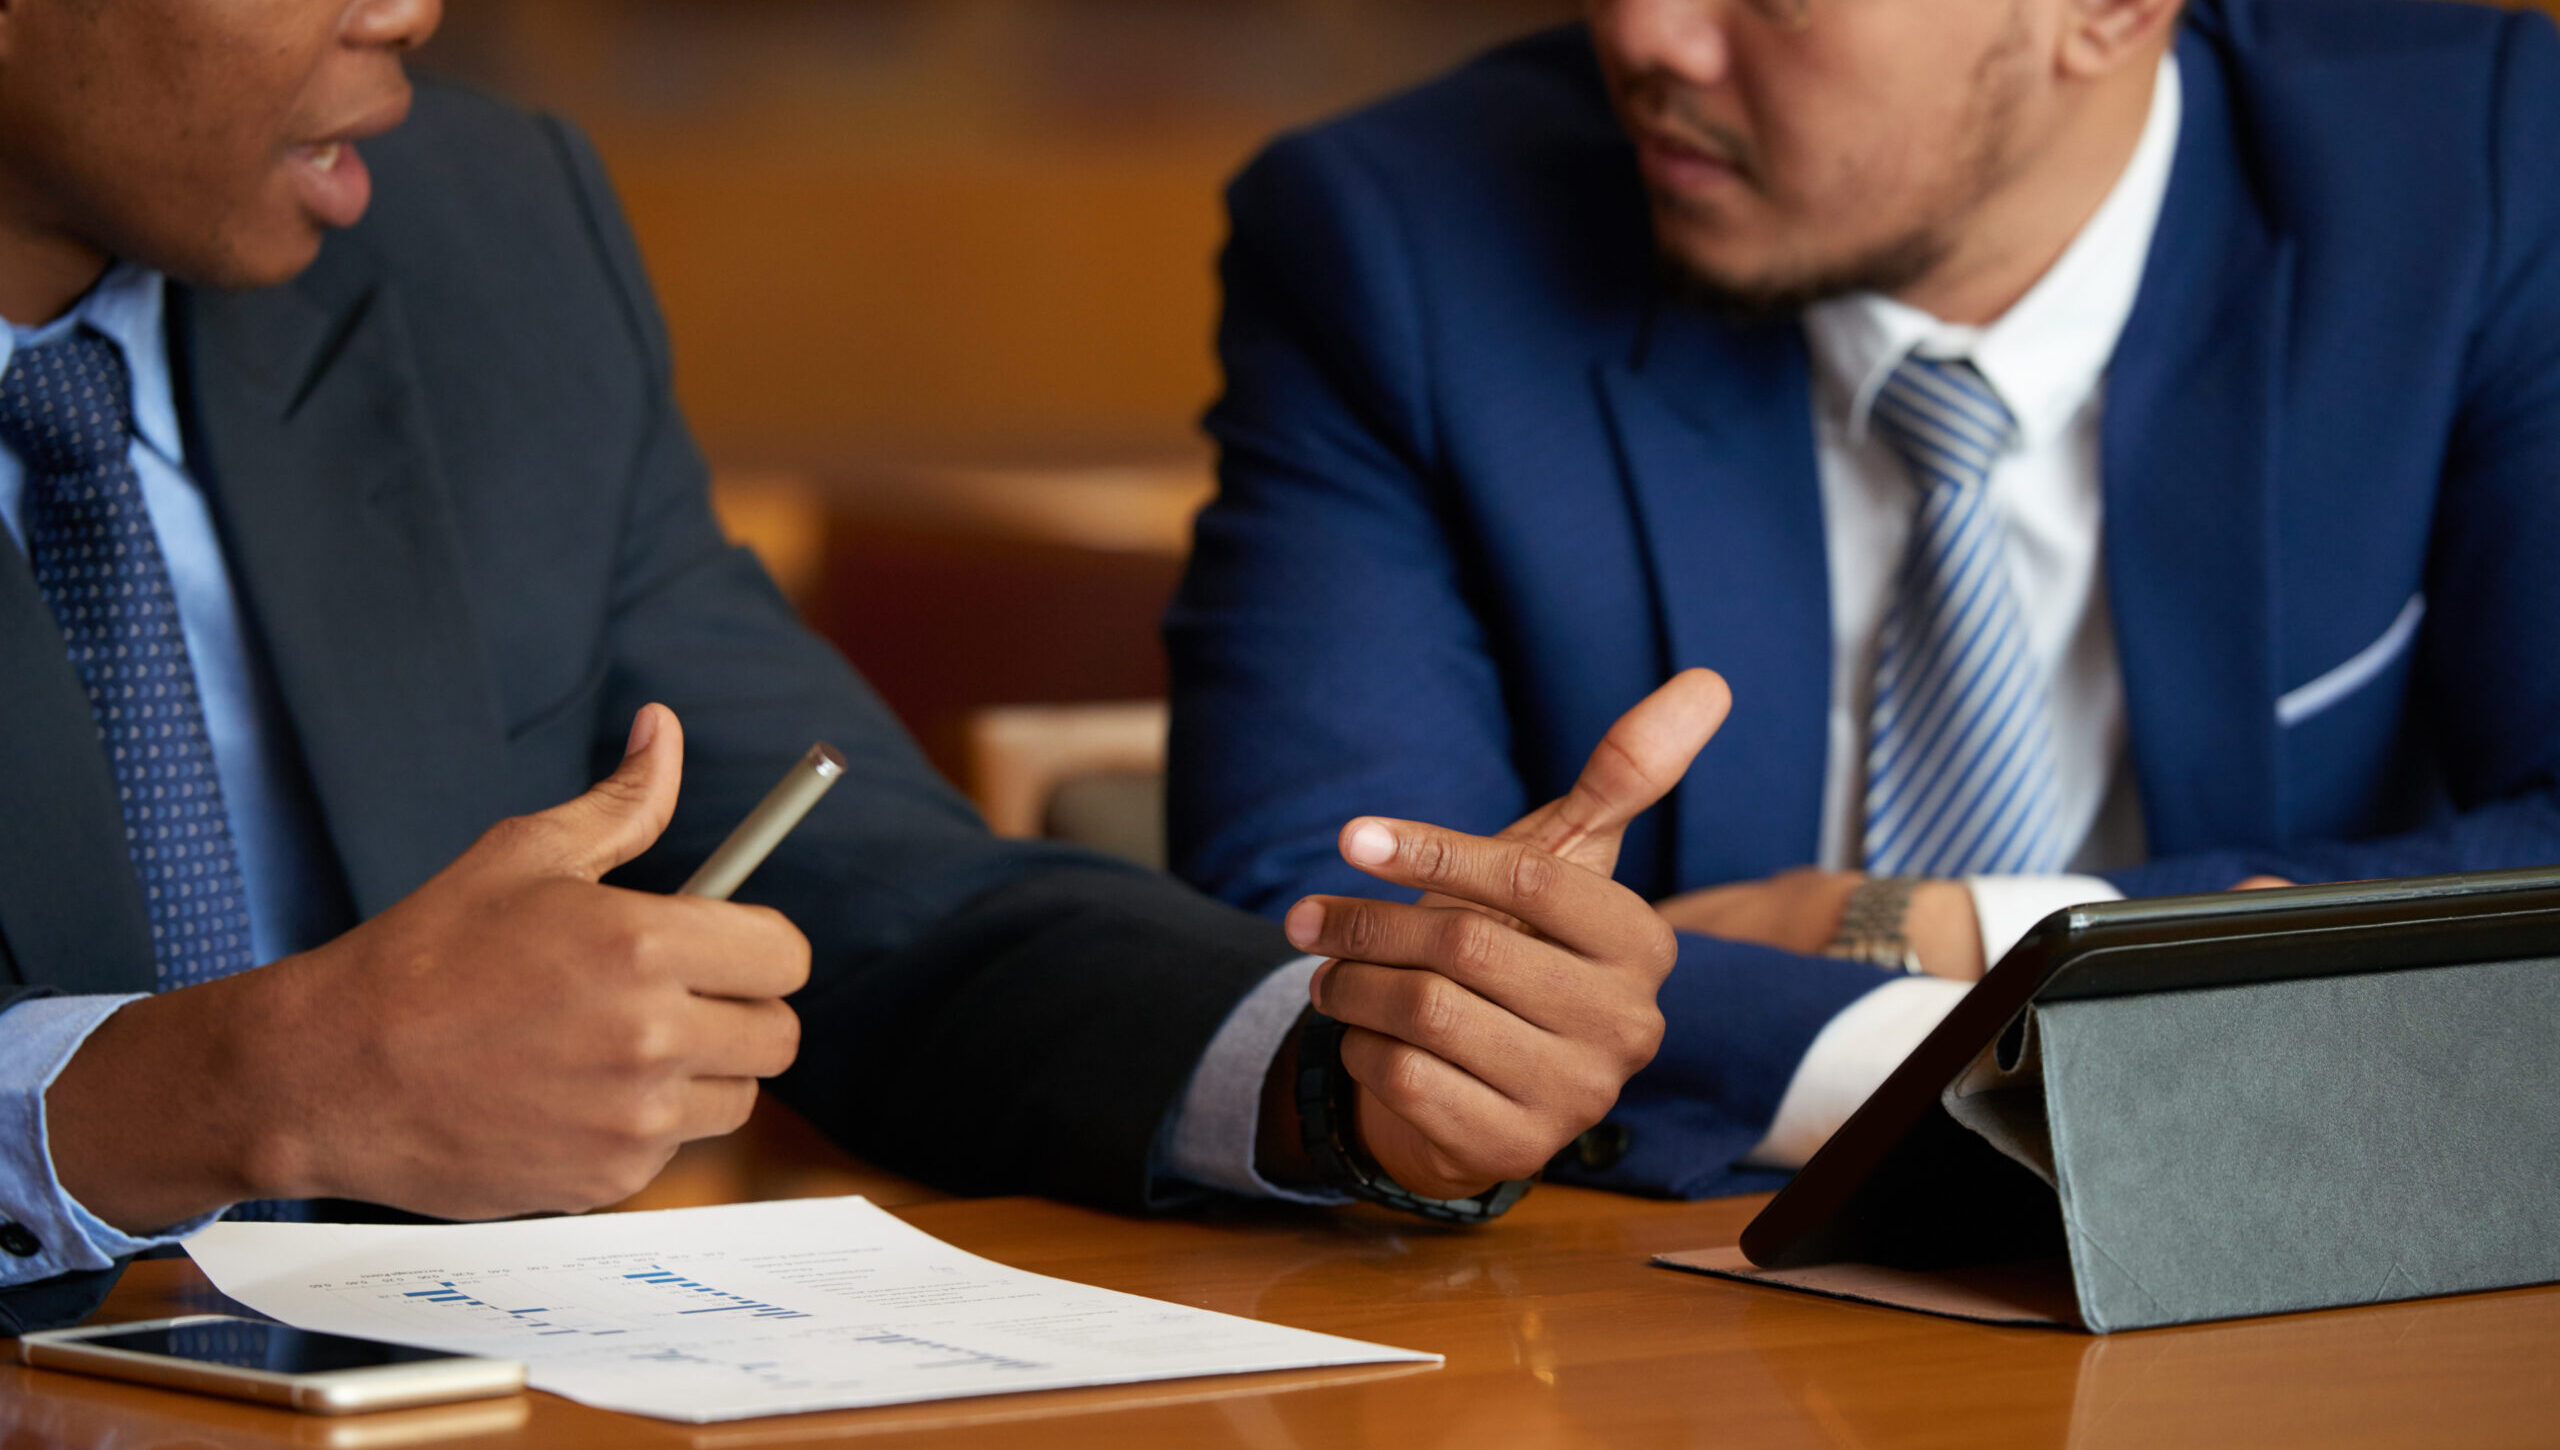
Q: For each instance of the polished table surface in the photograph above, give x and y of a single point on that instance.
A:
(1557, 1333)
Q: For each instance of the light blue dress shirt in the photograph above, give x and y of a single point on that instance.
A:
(274, 821)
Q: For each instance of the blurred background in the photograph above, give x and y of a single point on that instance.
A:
(939, 275)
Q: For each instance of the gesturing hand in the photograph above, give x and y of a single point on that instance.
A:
(1497, 1018)
(512, 1037)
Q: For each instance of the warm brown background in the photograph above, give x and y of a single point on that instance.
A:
(892, 231)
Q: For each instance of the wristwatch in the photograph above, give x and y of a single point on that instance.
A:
(1327, 1101)
(1871, 928)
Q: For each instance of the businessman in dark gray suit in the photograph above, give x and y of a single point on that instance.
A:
(348, 534)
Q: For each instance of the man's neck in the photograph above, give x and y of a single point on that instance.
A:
(43, 275)
(2015, 236)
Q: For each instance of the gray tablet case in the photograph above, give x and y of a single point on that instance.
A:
(2169, 1111)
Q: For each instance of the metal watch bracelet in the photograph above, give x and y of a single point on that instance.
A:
(1872, 925)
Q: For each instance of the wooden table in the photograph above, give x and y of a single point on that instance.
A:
(1557, 1334)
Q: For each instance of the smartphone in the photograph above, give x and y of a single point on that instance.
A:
(252, 1359)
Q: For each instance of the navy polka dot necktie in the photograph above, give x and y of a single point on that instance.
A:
(66, 411)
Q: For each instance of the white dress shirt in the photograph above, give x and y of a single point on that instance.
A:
(2047, 358)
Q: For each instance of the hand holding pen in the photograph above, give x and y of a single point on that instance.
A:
(511, 1037)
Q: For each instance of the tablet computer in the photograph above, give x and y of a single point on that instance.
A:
(1904, 1185)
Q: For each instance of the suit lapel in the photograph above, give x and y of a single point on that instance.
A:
(307, 427)
(71, 909)
(2190, 447)
(1714, 428)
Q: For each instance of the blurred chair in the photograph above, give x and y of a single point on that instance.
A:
(955, 591)
(1090, 774)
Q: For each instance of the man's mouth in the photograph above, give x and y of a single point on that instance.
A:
(1689, 148)
(330, 173)
(332, 180)
(1686, 165)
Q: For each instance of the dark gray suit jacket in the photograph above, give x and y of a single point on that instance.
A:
(474, 537)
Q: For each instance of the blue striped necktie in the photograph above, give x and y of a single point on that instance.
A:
(1960, 754)
(66, 411)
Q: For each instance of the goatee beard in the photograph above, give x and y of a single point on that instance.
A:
(1779, 294)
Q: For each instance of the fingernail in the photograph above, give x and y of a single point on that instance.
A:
(1304, 924)
(644, 728)
(1315, 985)
(1371, 844)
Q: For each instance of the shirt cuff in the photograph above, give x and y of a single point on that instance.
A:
(37, 1038)
(1212, 1143)
(2008, 907)
(1850, 1057)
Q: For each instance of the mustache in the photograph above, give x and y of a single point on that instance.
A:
(1658, 106)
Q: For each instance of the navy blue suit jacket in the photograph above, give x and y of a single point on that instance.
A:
(1485, 484)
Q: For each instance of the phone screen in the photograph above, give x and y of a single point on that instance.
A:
(255, 1344)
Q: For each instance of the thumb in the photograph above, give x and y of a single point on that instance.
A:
(1636, 764)
(624, 813)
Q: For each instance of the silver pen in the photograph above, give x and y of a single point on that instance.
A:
(766, 825)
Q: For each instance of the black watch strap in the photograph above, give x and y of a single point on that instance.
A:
(1327, 1104)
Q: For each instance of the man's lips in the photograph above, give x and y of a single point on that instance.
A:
(331, 176)
(333, 182)
(386, 112)
(1684, 166)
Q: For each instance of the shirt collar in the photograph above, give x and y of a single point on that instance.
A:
(2046, 354)
(125, 307)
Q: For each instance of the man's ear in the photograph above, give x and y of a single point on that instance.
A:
(2102, 36)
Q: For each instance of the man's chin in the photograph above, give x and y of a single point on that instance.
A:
(1774, 291)
(1745, 301)
(270, 262)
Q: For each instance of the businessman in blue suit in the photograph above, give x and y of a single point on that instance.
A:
(2108, 450)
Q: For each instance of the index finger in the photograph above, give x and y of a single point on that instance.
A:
(724, 949)
(1569, 904)
(1634, 766)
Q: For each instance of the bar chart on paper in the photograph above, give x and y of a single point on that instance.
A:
(757, 1309)
(545, 1321)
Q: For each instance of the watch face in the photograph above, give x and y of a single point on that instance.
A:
(1876, 951)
